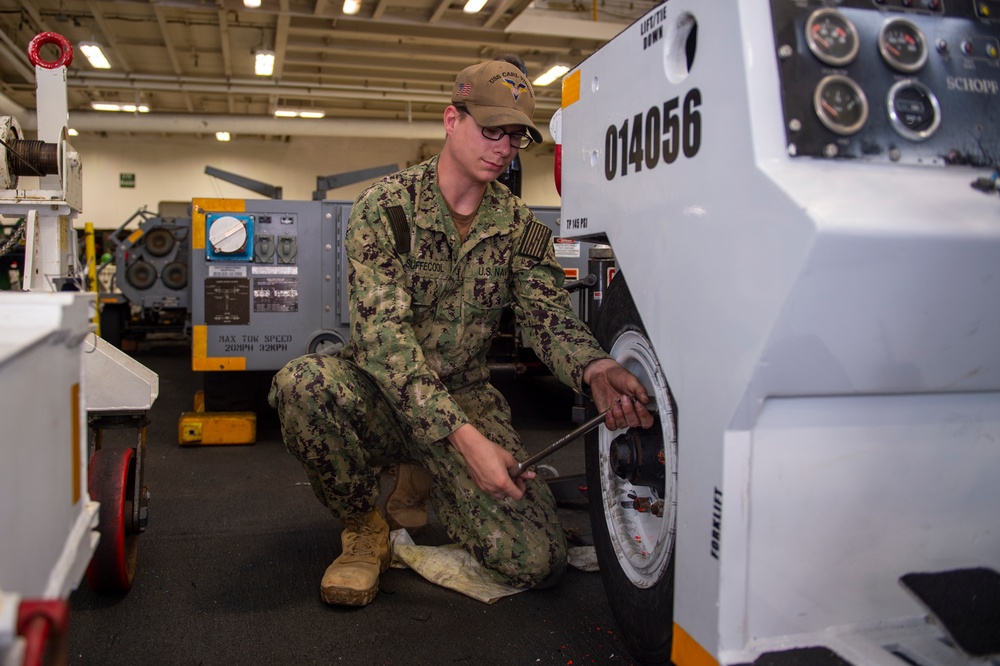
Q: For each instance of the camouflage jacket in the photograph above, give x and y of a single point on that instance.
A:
(424, 306)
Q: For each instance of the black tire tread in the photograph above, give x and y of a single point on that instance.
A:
(645, 616)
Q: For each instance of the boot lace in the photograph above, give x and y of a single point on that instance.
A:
(363, 539)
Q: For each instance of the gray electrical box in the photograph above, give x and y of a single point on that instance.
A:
(268, 281)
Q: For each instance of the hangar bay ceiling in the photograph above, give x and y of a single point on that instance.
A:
(191, 62)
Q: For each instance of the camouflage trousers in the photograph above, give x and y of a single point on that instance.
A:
(336, 421)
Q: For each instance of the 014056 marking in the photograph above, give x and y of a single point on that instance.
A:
(653, 135)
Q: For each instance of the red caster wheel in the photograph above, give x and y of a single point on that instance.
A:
(111, 482)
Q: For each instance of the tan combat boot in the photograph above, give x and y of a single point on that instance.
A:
(352, 579)
(406, 504)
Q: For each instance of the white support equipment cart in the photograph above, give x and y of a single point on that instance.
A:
(46, 515)
(65, 506)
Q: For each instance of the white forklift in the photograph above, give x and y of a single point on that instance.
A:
(801, 196)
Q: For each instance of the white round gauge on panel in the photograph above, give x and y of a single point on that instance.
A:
(914, 111)
(228, 235)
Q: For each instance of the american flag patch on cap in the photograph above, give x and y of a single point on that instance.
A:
(464, 89)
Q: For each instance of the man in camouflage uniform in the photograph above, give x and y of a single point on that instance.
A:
(435, 254)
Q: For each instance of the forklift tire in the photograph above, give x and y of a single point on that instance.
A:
(635, 549)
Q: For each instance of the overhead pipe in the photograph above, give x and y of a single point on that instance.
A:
(182, 123)
(249, 87)
(256, 87)
(9, 107)
(178, 123)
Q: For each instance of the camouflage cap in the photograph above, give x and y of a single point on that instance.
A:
(497, 93)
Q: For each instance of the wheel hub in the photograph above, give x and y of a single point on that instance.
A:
(636, 456)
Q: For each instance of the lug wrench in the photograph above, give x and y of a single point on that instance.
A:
(516, 470)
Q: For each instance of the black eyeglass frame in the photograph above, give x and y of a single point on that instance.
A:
(500, 132)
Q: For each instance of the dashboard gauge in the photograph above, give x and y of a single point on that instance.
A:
(840, 104)
(831, 37)
(914, 111)
(902, 44)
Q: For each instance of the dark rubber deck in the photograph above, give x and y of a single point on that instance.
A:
(229, 568)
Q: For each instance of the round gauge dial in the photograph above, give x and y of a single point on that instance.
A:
(831, 37)
(914, 111)
(902, 44)
(228, 235)
(840, 104)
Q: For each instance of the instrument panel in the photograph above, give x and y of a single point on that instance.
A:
(895, 81)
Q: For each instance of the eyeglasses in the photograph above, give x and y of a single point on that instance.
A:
(517, 139)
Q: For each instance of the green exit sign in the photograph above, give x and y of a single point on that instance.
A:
(126, 179)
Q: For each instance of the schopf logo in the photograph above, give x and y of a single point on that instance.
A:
(970, 85)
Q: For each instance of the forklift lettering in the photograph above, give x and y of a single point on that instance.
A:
(653, 135)
(716, 522)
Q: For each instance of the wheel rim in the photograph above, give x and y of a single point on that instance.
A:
(643, 542)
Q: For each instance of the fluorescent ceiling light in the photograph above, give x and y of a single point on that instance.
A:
(555, 72)
(473, 6)
(299, 113)
(251, 4)
(263, 62)
(94, 55)
(352, 7)
(542, 22)
(115, 106)
(72, 132)
(223, 136)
